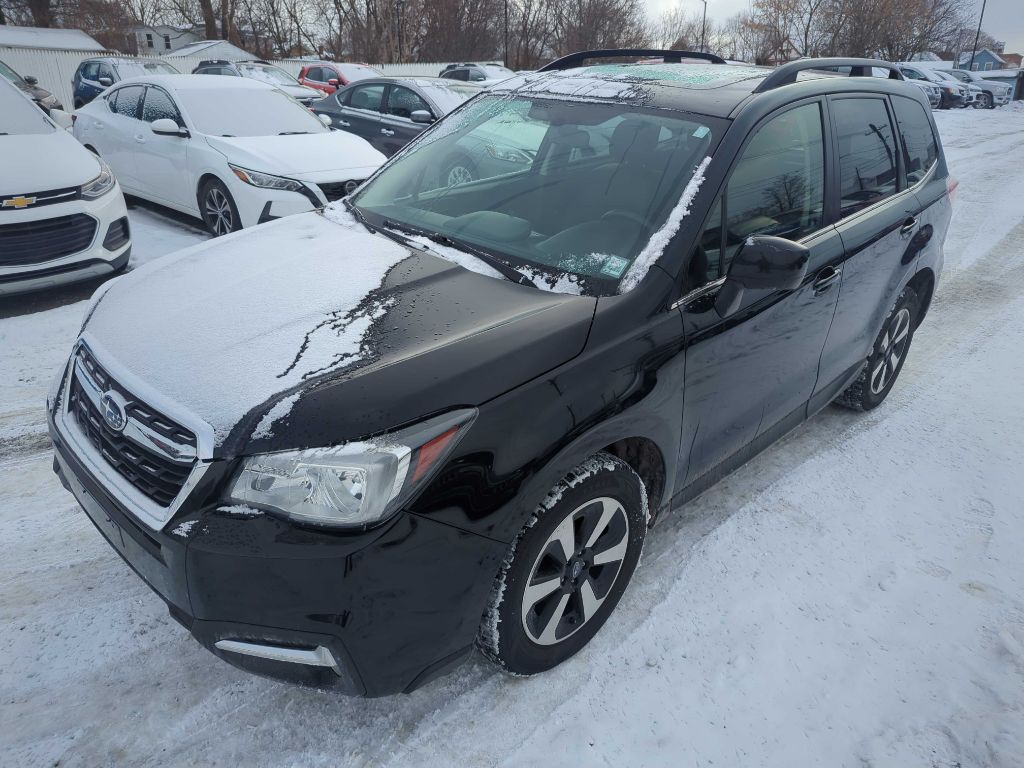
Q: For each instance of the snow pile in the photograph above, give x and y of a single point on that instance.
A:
(184, 529)
(659, 240)
(280, 410)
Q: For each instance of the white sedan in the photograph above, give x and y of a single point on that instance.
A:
(62, 216)
(232, 151)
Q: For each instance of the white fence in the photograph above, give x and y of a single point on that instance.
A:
(55, 68)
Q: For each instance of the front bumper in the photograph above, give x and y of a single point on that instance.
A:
(93, 261)
(1001, 98)
(395, 607)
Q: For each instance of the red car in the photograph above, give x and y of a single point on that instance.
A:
(329, 76)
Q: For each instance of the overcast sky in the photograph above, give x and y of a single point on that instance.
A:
(1004, 19)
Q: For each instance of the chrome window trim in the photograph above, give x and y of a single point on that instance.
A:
(148, 512)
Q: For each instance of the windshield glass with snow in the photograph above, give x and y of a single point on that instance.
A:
(10, 74)
(564, 188)
(19, 116)
(448, 95)
(353, 72)
(126, 69)
(247, 112)
(266, 74)
(494, 71)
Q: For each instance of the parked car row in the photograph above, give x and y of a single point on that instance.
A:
(957, 88)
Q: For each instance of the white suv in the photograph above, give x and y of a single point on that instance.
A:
(62, 214)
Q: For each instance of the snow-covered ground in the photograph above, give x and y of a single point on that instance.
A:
(852, 597)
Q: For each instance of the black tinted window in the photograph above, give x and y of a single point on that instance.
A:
(367, 97)
(920, 150)
(126, 100)
(777, 187)
(158, 105)
(402, 102)
(867, 153)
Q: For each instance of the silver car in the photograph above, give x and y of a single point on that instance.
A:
(993, 94)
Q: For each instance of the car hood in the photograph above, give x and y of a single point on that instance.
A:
(299, 91)
(310, 331)
(297, 155)
(68, 163)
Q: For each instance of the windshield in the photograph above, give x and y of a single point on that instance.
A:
(353, 72)
(495, 71)
(10, 74)
(19, 116)
(126, 69)
(247, 112)
(551, 186)
(267, 74)
(448, 97)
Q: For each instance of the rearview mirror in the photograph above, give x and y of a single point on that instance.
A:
(167, 127)
(61, 118)
(106, 82)
(333, 81)
(421, 116)
(325, 119)
(31, 80)
(762, 263)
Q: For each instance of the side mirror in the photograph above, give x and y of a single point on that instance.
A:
(763, 262)
(325, 119)
(106, 82)
(333, 82)
(62, 118)
(167, 127)
(421, 116)
(31, 80)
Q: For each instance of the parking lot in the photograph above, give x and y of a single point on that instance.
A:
(850, 597)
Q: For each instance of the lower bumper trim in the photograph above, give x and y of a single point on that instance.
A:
(317, 657)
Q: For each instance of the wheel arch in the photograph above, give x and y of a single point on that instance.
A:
(923, 284)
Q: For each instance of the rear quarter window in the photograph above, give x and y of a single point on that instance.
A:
(920, 147)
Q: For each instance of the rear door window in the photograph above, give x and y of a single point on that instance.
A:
(368, 97)
(867, 153)
(920, 149)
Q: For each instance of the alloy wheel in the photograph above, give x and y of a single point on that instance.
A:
(459, 174)
(575, 571)
(890, 351)
(218, 212)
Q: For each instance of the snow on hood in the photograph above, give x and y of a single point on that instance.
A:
(295, 155)
(68, 163)
(224, 326)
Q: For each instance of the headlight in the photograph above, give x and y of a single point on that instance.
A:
(265, 180)
(507, 154)
(353, 485)
(100, 185)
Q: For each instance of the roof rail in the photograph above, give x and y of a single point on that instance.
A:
(669, 57)
(207, 62)
(786, 74)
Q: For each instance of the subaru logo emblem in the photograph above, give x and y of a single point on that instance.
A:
(112, 407)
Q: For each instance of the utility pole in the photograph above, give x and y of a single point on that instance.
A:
(703, 26)
(976, 36)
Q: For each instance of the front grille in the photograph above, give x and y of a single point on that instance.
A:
(335, 190)
(158, 476)
(36, 242)
(49, 197)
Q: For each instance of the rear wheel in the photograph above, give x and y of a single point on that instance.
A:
(985, 101)
(218, 208)
(567, 569)
(887, 356)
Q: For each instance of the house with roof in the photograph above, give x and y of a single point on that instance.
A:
(161, 39)
(984, 60)
(213, 49)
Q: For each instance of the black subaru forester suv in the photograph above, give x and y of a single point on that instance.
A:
(349, 446)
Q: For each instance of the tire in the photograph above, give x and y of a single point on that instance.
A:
(526, 633)
(218, 208)
(458, 170)
(888, 355)
(986, 101)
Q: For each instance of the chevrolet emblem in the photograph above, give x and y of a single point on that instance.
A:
(19, 202)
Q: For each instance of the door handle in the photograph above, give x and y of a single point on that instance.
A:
(908, 225)
(140, 139)
(826, 279)
(387, 131)
(344, 123)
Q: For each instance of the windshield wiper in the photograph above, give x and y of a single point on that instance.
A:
(293, 133)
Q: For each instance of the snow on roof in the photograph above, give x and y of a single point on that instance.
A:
(198, 82)
(967, 57)
(37, 37)
(222, 48)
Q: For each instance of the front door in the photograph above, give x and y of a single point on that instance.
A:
(753, 371)
(878, 221)
(161, 160)
(396, 126)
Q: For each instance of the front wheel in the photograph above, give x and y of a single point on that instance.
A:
(887, 357)
(218, 208)
(567, 569)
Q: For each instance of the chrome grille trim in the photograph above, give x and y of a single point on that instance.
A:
(148, 512)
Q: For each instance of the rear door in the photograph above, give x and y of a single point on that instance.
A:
(752, 372)
(361, 112)
(878, 218)
(397, 128)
